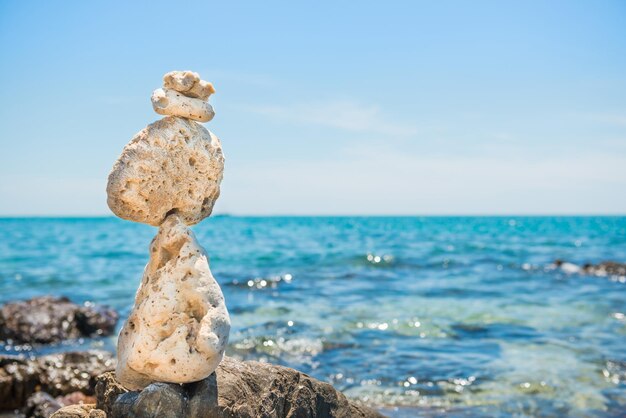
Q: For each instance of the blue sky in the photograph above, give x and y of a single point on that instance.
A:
(327, 107)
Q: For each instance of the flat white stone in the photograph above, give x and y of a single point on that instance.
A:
(178, 329)
(188, 83)
(174, 165)
(172, 103)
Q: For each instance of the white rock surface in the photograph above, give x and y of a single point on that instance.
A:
(178, 328)
(188, 83)
(172, 103)
(174, 165)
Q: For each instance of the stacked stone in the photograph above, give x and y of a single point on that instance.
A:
(185, 95)
(169, 176)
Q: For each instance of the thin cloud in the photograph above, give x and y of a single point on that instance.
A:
(344, 115)
(616, 119)
(375, 181)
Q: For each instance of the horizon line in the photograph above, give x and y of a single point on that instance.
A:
(339, 215)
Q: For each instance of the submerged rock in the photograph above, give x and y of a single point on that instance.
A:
(605, 268)
(602, 269)
(236, 389)
(57, 374)
(49, 319)
(178, 329)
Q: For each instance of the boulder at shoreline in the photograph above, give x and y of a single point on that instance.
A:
(236, 389)
(56, 374)
(50, 319)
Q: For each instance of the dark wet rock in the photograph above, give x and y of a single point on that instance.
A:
(41, 405)
(49, 319)
(203, 400)
(96, 320)
(56, 374)
(108, 390)
(18, 380)
(164, 400)
(12, 414)
(237, 389)
(75, 371)
(79, 411)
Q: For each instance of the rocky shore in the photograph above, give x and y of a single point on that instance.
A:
(82, 384)
(36, 387)
(236, 389)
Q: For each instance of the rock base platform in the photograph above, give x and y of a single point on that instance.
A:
(236, 389)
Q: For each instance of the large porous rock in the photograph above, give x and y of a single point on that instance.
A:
(50, 319)
(236, 389)
(178, 328)
(174, 165)
(57, 374)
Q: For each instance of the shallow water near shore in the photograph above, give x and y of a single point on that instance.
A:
(420, 316)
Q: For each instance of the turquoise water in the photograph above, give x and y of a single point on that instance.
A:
(421, 316)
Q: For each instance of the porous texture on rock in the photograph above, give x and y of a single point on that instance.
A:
(189, 84)
(57, 374)
(178, 329)
(172, 103)
(79, 411)
(236, 389)
(174, 165)
(49, 319)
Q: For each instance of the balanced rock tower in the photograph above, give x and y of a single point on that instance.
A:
(169, 176)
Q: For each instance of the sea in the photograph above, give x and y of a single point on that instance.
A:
(416, 316)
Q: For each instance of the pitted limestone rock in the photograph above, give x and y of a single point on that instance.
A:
(172, 103)
(178, 329)
(174, 165)
(189, 84)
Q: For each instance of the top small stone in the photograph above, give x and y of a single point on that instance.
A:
(189, 84)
